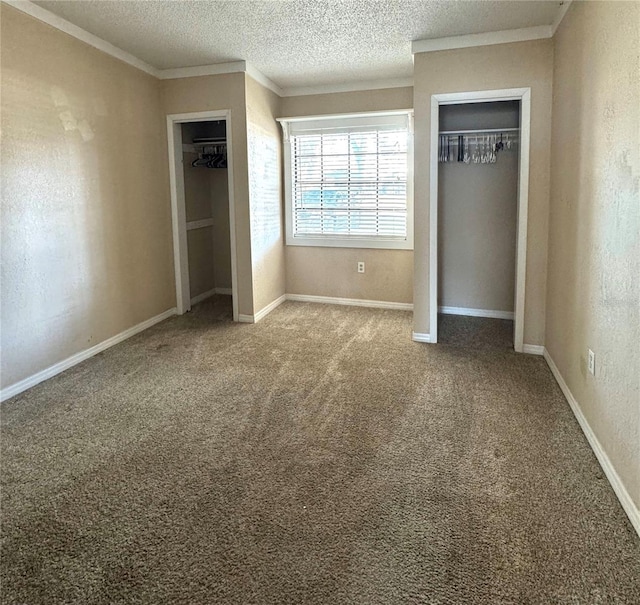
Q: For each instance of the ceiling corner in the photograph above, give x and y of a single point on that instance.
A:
(562, 11)
(42, 14)
(259, 77)
(215, 69)
(323, 89)
(506, 36)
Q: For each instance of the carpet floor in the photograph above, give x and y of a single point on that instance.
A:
(318, 457)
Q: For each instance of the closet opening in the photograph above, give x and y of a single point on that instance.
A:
(477, 208)
(479, 190)
(202, 213)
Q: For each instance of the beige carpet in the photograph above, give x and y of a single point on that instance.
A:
(318, 457)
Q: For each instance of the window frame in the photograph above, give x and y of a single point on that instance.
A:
(335, 122)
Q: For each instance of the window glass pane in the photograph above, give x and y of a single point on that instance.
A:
(350, 183)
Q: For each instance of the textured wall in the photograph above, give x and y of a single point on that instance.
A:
(208, 93)
(333, 271)
(477, 209)
(264, 147)
(86, 223)
(198, 206)
(523, 64)
(197, 189)
(593, 298)
(221, 232)
(201, 261)
(347, 102)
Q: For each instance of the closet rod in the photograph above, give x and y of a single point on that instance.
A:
(209, 140)
(483, 131)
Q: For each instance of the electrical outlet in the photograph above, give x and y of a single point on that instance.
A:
(360, 266)
(592, 362)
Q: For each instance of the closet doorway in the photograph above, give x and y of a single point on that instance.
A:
(201, 175)
(478, 216)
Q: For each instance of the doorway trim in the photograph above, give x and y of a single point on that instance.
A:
(178, 212)
(483, 96)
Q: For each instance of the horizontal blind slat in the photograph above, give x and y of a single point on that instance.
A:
(350, 183)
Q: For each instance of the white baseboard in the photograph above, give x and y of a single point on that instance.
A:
(476, 312)
(614, 479)
(209, 293)
(352, 302)
(533, 349)
(65, 364)
(200, 297)
(330, 300)
(270, 307)
(252, 319)
(418, 337)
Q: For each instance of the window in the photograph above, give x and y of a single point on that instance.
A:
(349, 180)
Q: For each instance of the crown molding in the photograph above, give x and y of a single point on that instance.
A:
(220, 68)
(67, 27)
(485, 39)
(322, 89)
(418, 46)
(33, 10)
(259, 77)
(214, 69)
(562, 11)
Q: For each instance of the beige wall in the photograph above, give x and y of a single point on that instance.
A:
(593, 298)
(86, 226)
(197, 189)
(333, 271)
(201, 261)
(347, 102)
(477, 207)
(198, 206)
(264, 147)
(221, 232)
(208, 93)
(523, 64)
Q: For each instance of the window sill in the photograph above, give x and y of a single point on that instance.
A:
(351, 242)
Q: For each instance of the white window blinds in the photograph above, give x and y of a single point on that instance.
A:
(349, 177)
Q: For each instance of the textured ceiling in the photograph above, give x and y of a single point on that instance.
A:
(294, 42)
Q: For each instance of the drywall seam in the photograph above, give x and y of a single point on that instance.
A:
(614, 479)
(351, 302)
(65, 364)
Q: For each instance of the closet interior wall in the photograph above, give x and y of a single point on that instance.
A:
(206, 197)
(477, 215)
